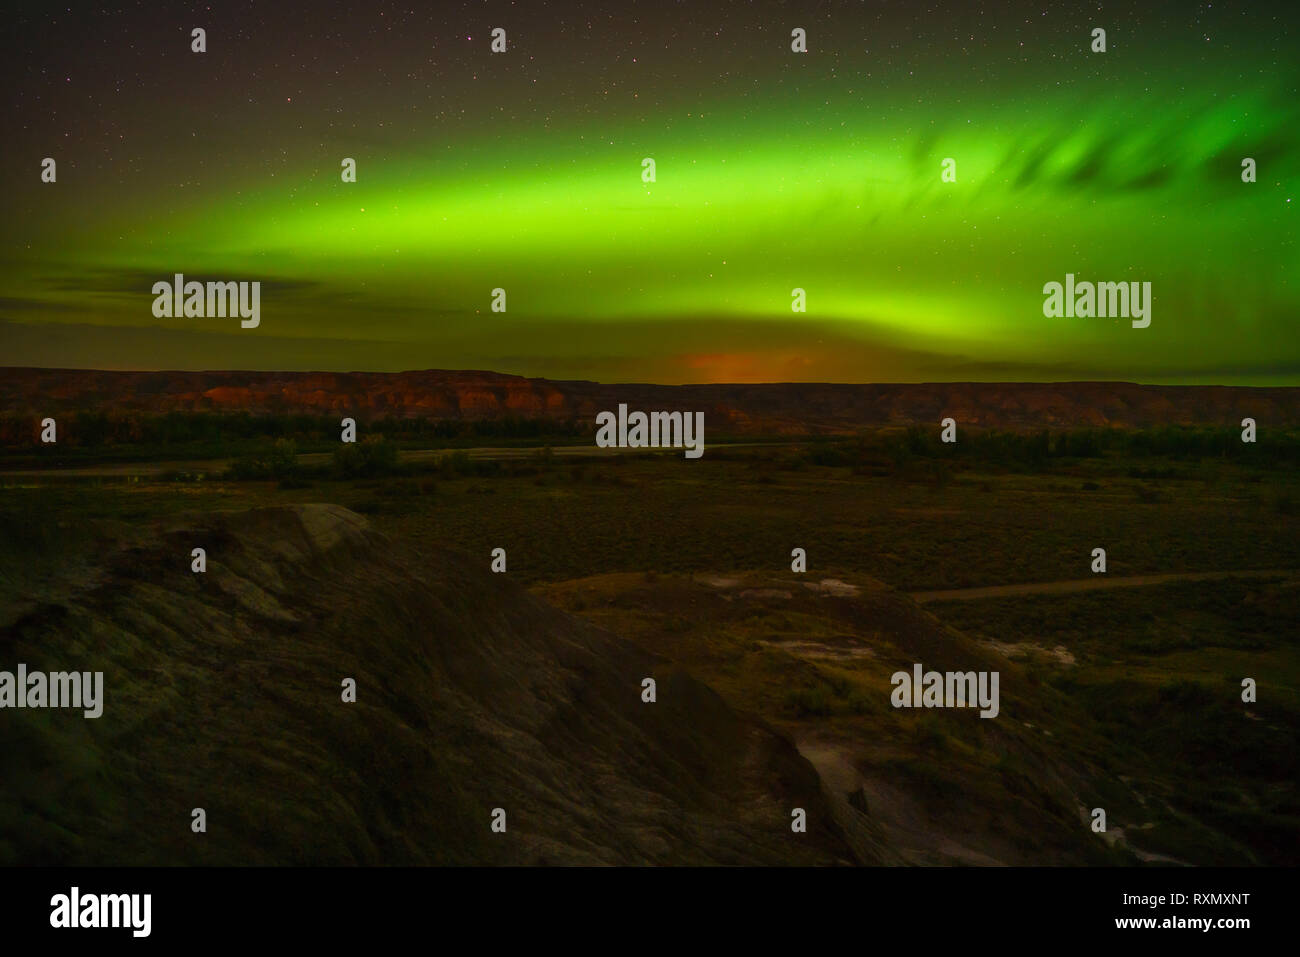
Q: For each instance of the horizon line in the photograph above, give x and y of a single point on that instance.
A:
(666, 385)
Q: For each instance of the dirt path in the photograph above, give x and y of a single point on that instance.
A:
(1096, 583)
(910, 833)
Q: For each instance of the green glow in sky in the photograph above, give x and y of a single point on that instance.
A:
(689, 278)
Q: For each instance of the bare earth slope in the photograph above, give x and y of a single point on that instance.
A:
(222, 692)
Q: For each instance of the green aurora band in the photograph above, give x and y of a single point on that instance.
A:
(689, 278)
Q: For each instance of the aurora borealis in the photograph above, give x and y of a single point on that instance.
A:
(774, 170)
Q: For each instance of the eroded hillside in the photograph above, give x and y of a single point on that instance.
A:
(222, 692)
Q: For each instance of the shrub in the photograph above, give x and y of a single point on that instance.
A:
(373, 455)
(280, 461)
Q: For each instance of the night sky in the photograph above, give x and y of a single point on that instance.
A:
(775, 170)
